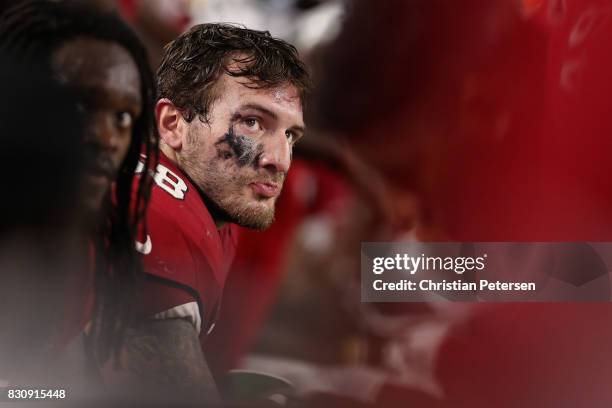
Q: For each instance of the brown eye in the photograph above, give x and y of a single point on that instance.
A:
(290, 136)
(252, 124)
(125, 120)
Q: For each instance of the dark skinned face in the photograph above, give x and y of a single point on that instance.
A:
(107, 77)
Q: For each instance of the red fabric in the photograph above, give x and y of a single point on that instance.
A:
(549, 181)
(577, 142)
(160, 296)
(536, 355)
(258, 269)
(521, 355)
(187, 250)
(546, 178)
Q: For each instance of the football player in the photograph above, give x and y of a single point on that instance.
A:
(98, 57)
(229, 112)
(37, 227)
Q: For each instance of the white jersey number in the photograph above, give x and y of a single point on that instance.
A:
(167, 180)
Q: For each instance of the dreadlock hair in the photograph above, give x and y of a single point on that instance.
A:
(33, 31)
(194, 61)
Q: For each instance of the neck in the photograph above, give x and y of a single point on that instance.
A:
(170, 153)
(218, 216)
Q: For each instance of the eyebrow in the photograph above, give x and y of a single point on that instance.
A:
(260, 108)
(268, 112)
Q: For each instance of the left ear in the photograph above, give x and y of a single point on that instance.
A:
(170, 123)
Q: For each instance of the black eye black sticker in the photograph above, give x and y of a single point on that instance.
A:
(243, 148)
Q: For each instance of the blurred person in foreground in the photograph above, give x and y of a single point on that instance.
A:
(39, 245)
(229, 111)
(493, 118)
(98, 58)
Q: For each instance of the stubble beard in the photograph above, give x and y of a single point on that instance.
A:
(222, 190)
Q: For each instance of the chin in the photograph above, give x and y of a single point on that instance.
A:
(256, 222)
(257, 225)
(257, 217)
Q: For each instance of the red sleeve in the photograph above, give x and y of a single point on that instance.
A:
(169, 266)
(159, 296)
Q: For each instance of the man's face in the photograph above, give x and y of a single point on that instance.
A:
(240, 158)
(106, 77)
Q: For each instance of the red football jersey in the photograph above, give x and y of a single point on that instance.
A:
(186, 257)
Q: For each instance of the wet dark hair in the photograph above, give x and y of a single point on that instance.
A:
(194, 61)
(33, 31)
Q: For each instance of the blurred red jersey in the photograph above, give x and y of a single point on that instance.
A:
(186, 257)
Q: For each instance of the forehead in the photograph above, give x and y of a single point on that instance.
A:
(283, 99)
(92, 63)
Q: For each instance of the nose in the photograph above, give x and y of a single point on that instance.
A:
(276, 156)
(102, 132)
